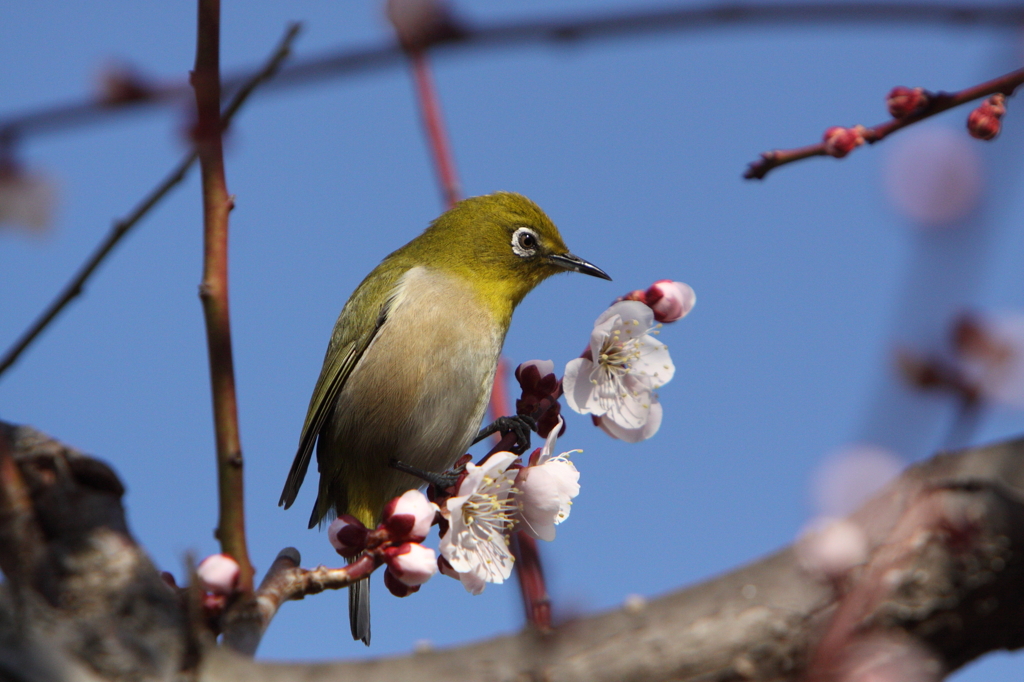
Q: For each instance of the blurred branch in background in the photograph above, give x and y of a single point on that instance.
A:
(951, 192)
(123, 226)
(908, 106)
(132, 91)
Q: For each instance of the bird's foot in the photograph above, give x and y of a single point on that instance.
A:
(520, 425)
(441, 481)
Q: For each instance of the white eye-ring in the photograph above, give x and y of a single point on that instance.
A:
(524, 242)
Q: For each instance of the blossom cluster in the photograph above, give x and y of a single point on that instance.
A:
(476, 516)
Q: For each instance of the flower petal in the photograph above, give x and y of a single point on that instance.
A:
(635, 435)
(576, 383)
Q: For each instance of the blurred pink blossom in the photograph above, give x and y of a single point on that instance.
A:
(218, 573)
(933, 175)
(848, 477)
(991, 354)
(882, 658)
(831, 547)
(26, 199)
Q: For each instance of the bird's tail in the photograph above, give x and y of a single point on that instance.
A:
(359, 593)
(359, 610)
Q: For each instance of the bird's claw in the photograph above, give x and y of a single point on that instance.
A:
(441, 481)
(520, 425)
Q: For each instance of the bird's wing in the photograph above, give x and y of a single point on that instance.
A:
(332, 379)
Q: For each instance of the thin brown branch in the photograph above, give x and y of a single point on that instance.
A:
(938, 102)
(121, 228)
(286, 580)
(625, 23)
(213, 291)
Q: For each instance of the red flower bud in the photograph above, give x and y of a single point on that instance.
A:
(903, 101)
(411, 563)
(669, 300)
(984, 122)
(409, 517)
(347, 536)
(841, 141)
(396, 586)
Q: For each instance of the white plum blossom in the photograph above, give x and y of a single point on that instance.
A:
(473, 583)
(479, 517)
(546, 489)
(412, 563)
(218, 573)
(643, 432)
(626, 365)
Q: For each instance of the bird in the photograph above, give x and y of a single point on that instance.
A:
(408, 372)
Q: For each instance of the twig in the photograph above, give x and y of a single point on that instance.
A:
(433, 124)
(213, 292)
(528, 565)
(937, 103)
(123, 226)
(532, 585)
(243, 628)
(499, 405)
(624, 23)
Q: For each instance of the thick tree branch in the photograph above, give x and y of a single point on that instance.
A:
(92, 606)
(624, 23)
(940, 587)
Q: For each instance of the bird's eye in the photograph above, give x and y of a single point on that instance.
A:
(524, 242)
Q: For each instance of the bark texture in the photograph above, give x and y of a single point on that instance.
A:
(939, 585)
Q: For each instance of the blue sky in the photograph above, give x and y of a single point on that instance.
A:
(635, 147)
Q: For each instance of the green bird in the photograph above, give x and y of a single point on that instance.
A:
(410, 365)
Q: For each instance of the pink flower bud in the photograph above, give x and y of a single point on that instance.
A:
(903, 101)
(411, 563)
(409, 517)
(670, 300)
(347, 536)
(984, 122)
(218, 573)
(396, 586)
(841, 141)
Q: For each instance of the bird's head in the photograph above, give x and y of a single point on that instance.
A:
(503, 243)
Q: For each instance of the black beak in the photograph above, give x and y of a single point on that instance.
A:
(577, 264)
